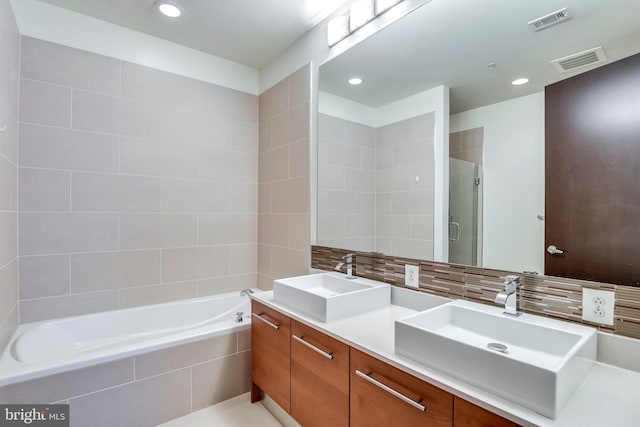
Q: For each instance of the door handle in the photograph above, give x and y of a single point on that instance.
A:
(553, 250)
(312, 347)
(391, 391)
(262, 318)
(457, 237)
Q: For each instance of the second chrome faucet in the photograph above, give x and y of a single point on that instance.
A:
(349, 261)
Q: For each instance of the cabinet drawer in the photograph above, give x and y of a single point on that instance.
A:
(271, 353)
(466, 414)
(319, 378)
(382, 395)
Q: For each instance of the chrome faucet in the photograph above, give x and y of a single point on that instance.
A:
(239, 316)
(509, 296)
(245, 292)
(349, 261)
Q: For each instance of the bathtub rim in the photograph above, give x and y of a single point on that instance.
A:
(13, 371)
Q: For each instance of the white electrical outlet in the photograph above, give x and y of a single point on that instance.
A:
(597, 306)
(411, 275)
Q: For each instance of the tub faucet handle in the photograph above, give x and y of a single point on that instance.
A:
(239, 316)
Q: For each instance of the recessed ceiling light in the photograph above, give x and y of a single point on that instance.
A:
(521, 81)
(170, 9)
(355, 81)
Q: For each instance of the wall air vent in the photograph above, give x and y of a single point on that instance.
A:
(579, 60)
(549, 20)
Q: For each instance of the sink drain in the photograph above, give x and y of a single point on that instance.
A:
(498, 347)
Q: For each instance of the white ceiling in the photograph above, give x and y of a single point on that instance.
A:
(249, 32)
(451, 42)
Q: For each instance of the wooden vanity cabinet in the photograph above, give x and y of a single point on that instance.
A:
(270, 355)
(466, 414)
(321, 381)
(382, 395)
(319, 378)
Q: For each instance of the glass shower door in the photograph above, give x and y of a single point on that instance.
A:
(463, 212)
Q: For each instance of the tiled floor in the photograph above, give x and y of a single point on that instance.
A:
(236, 412)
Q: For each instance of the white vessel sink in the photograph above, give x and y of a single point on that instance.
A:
(533, 361)
(331, 296)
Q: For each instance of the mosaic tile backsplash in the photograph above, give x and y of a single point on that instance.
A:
(555, 297)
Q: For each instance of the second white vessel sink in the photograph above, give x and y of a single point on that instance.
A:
(331, 296)
(531, 360)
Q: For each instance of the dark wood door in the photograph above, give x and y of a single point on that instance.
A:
(592, 185)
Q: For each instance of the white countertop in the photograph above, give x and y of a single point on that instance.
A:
(609, 396)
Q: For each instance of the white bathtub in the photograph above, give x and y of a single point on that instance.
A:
(52, 346)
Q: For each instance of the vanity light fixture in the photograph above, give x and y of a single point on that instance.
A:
(360, 12)
(170, 9)
(355, 81)
(337, 29)
(384, 5)
(520, 81)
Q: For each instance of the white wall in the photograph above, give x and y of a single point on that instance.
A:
(513, 181)
(47, 22)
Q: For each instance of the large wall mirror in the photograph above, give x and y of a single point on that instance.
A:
(436, 155)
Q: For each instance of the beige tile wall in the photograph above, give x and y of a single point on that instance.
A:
(283, 179)
(346, 184)
(404, 205)
(9, 86)
(137, 186)
(147, 389)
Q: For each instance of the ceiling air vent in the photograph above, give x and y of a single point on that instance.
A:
(549, 20)
(578, 60)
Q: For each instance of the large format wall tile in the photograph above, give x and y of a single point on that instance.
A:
(45, 190)
(44, 276)
(115, 115)
(194, 263)
(55, 148)
(114, 270)
(159, 87)
(45, 104)
(137, 184)
(156, 294)
(33, 310)
(9, 233)
(9, 97)
(53, 63)
(141, 403)
(9, 289)
(52, 233)
(181, 195)
(56, 387)
(149, 157)
(283, 179)
(221, 379)
(153, 231)
(114, 193)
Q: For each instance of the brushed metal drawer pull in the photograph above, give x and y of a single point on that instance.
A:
(313, 347)
(391, 391)
(259, 317)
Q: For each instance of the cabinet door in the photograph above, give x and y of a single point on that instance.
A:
(466, 414)
(382, 395)
(319, 378)
(270, 355)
